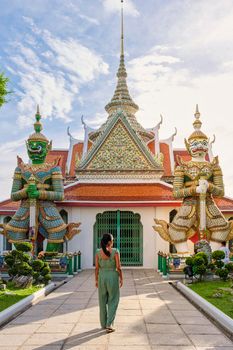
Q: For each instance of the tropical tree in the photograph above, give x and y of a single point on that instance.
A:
(3, 88)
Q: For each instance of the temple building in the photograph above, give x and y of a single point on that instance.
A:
(118, 180)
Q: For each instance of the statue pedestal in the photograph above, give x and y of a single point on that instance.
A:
(182, 249)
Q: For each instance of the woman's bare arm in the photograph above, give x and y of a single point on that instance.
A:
(96, 270)
(118, 267)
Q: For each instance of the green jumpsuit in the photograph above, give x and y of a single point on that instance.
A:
(108, 287)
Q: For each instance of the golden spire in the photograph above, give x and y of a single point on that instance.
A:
(121, 98)
(197, 127)
(122, 30)
(197, 113)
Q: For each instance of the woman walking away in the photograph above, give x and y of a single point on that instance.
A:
(108, 279)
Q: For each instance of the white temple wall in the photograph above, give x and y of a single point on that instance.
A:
(152, 242)
(162, 213)
(149, 236)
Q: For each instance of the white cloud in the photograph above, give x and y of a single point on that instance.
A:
(89, 19)
(75, 9)
(154, 72)
(49, 91)
(202, 29)
(8, 163)
(112, 6)
(228, 66)
(53, 83)
(76, 58)
(97, 120)
(28, 20)
(11, 146)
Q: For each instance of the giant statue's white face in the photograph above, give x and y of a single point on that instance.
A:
(198, 147)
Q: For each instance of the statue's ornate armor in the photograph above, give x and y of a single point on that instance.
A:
(186, 222)
(49, 182)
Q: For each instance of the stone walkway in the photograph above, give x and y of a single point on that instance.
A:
(151, 316)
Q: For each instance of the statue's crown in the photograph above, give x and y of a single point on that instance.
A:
(197, 133)
(37, 135)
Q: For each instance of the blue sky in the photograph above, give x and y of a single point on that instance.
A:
(64, 56)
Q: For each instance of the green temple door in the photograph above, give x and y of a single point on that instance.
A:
(126, 228)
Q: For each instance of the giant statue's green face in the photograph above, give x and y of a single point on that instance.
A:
(37, 151)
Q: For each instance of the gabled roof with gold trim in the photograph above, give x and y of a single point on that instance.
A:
(119, 148)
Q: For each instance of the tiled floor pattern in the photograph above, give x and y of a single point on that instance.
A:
(151, 316)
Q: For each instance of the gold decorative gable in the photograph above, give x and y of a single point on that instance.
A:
(119, 152)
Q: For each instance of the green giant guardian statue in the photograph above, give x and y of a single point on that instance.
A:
(37, 186)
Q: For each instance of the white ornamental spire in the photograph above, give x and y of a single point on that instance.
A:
(121, 98)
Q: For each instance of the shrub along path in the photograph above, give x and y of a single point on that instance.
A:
(152, 315)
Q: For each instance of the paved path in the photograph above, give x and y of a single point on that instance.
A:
(151, 316)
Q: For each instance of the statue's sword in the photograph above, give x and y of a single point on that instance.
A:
(202, 213)
(32, 212)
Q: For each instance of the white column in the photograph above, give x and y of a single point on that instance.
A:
(1, 237)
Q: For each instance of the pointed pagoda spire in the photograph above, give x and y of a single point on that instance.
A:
(121, 98)
(197, 113)
(122, 29)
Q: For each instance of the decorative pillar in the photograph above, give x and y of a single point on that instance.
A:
(79, 261)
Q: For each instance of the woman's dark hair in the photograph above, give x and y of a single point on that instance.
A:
(107, 237)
